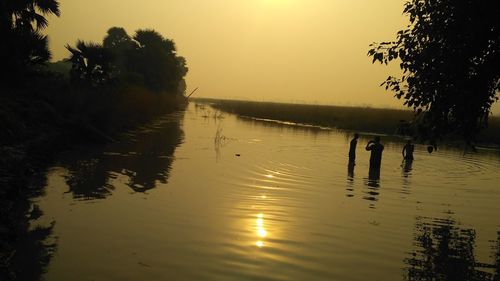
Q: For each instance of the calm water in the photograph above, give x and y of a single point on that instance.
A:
(193, 197)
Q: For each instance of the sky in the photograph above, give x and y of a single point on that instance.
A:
(300, 51)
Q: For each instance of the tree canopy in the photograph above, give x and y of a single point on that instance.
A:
(91, 63)
(146, 58)
(450, 57)
(24, 46)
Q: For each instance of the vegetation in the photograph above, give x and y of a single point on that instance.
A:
(340, 117)
(100, 90)
(24, 47)
(369, 120)
(146, 59)
(449, 55)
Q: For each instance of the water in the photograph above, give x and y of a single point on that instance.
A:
(193, 197)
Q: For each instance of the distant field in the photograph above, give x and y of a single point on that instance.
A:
(359, 119)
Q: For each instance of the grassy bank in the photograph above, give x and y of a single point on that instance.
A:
(37, 122)
(359, 119)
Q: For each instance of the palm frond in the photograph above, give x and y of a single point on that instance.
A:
(48, 7)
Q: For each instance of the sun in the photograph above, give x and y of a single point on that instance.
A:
(276, 2)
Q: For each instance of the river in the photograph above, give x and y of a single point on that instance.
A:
(201, 195)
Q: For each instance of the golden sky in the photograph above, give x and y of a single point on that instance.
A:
(307, 51)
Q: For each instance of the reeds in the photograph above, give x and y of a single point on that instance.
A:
(359, 119)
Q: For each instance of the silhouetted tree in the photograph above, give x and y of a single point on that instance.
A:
(155, 59)
(120, 44)
(23, 45)
(182, 70)
(117, 38)
(91, 63)
(146, 58)
(450, 57)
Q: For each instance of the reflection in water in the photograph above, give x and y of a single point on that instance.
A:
(446, 252)
(374, 176)
(286, 127)
(144, 161)
(260, 229)
(350, 178)
(278, 212)
(33, 253)
(26, 246)
(497, 258)
(219, 142)
(373, 184)
(407, 167)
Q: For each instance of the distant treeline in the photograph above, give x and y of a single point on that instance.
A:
(359, 119)
(146, 59)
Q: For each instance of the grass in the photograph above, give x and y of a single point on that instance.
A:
(341, 117)
(359, 119)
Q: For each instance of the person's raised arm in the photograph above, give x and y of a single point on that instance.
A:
(368, 145)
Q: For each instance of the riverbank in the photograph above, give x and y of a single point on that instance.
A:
(38, 122)
(358, 119)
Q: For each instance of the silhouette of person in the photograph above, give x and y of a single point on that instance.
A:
(350, 179)
(352, 148)
(350, 170)
(376, 149)
(374, 176)
(408, 151)
(407, 167)
(430, 149)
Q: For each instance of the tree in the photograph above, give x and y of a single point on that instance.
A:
(146, 59)
(91, 63)
(182, 70)
(120, 44)
(117, 39)
(450, 57)
(155, 59)
(24, 46)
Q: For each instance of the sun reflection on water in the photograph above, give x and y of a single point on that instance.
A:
(261, 231)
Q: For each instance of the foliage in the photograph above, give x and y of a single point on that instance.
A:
(24, 46)
(146, 58)
(373, 120)
(91, 63)
(449, 54)
(360, 119)
(119, 43)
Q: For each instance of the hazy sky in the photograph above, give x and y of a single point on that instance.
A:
(310, 51)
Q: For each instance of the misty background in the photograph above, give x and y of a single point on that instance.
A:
(263, 50)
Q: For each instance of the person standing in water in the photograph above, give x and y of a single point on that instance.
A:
(376, 149)
(408, 151)
(352, 148)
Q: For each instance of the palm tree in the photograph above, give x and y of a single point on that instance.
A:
(91, 63)
(149, 38)
(30, 14)
(120, 44)
(24, 47)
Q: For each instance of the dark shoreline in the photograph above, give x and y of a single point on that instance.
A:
(37, 127)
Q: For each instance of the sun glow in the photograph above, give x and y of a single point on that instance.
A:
(277, 3)
(261, 231)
